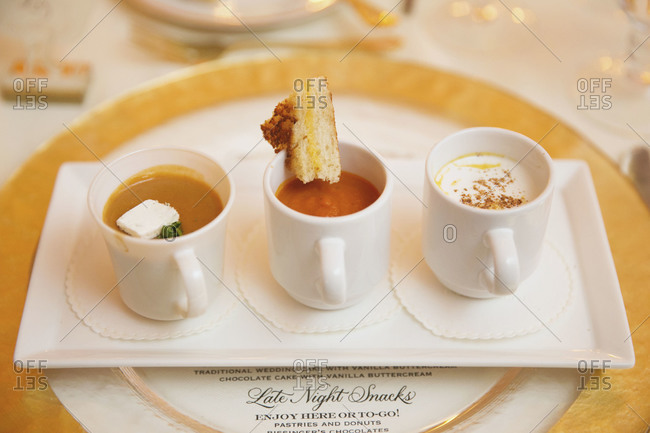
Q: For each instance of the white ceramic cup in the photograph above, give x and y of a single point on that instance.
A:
(166, 279)
(484, 253)
(329, 262)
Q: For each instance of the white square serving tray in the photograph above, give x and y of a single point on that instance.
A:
(593, 327)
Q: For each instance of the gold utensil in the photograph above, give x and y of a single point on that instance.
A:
(408, 6)
(636, 164)
(183, 52)
(372, 15)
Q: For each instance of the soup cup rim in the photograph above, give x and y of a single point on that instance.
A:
(537, 201)
(384, 194)
(185, 238)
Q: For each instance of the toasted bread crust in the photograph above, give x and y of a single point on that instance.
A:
(278, 130)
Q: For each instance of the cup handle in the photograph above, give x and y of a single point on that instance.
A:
(505, 278)
(332, 268)
(193, 282)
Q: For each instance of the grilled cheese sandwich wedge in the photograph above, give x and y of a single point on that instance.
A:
(304, 125)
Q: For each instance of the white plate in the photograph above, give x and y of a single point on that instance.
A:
(233, 15)
(592, 328)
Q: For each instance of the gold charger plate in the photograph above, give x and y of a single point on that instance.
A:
(24, 199)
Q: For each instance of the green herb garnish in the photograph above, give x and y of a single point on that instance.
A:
(171, 231)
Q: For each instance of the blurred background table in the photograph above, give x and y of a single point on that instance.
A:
(541, 65)
(539, 62)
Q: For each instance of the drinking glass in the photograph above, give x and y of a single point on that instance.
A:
(615, 89)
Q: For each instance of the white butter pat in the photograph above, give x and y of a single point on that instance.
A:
(147, 219)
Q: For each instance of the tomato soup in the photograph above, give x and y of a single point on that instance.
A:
(195, 201)
(350, 194)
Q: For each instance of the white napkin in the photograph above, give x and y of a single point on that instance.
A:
(538, 301)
